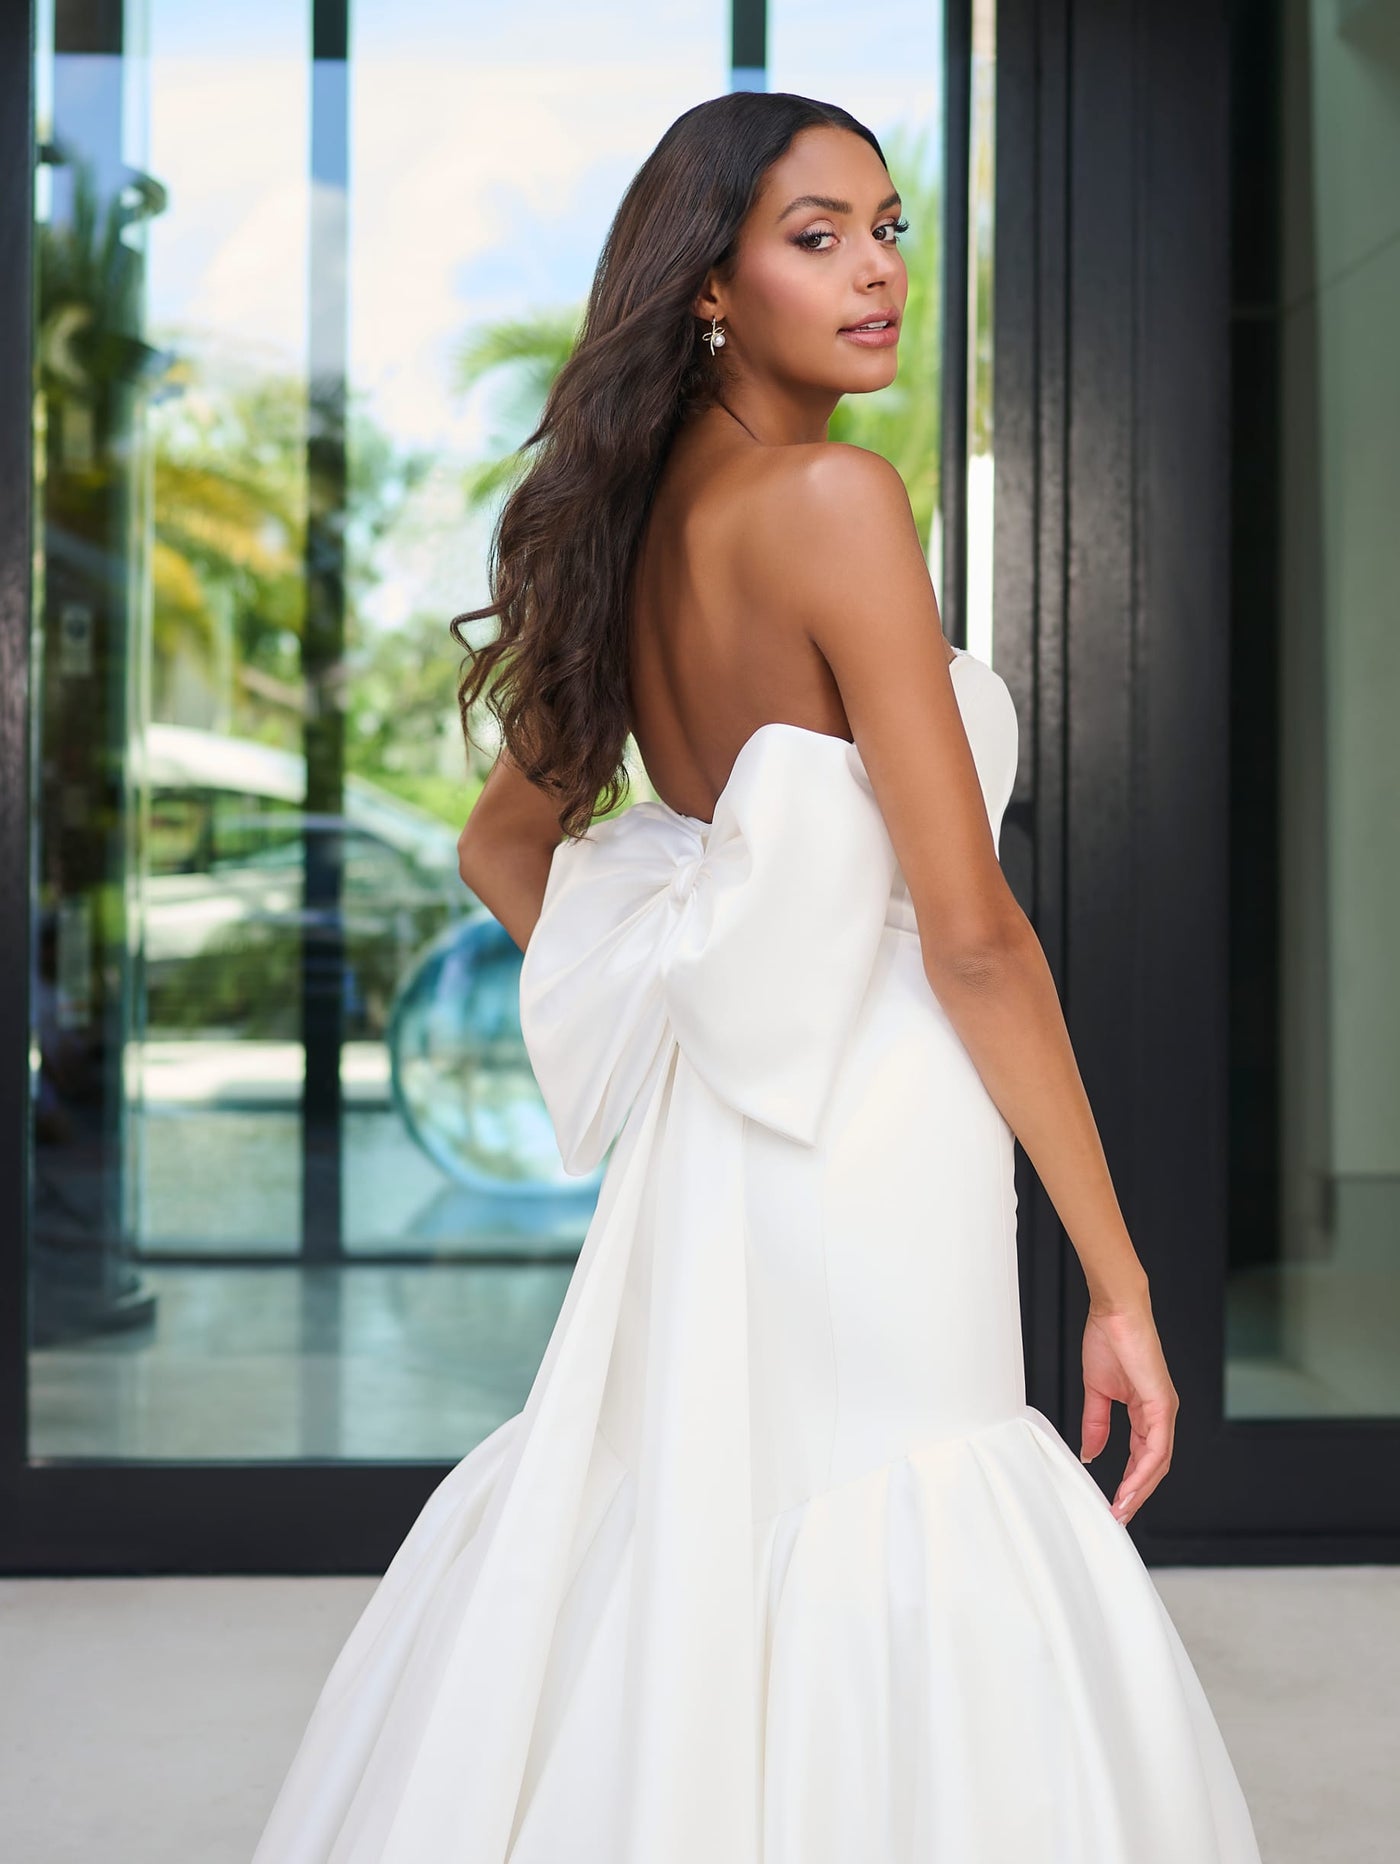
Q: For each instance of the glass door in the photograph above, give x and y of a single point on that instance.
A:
(296, 1229)
(1312, 1289)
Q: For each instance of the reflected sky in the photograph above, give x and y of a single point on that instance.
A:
(489, 148)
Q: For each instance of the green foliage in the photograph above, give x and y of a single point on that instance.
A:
(525, 354)
(400, 706)
(230, 524)
(230, 518)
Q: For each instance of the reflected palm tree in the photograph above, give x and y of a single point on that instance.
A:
(228, 511)
(530, 350)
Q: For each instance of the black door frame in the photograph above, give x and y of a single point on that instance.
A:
(1114, 562)
(16, 415)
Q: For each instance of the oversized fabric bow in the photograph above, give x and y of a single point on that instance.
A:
(747, 941)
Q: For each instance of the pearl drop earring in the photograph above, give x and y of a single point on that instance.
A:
(714, 336)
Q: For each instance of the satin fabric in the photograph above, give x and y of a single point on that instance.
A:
(776, 1565)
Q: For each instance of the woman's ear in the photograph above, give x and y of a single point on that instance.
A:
(706, 303)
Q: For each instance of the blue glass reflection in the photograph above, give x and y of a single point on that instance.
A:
(460, 1074)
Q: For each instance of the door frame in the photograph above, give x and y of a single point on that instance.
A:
(1115, 553)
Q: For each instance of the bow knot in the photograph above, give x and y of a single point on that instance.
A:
(685, 876)
(757, 978)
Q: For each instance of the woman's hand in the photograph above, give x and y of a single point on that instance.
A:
(1123, 1360)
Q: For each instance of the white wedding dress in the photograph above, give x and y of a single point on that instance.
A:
(776, 1565)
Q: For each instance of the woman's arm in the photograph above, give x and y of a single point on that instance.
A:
(504, 852)
(872, 613)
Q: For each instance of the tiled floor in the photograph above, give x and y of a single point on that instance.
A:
(149, 1721)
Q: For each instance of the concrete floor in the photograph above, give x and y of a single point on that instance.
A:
(150, 1721)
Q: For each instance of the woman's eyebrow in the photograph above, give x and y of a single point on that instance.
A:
(832, 205)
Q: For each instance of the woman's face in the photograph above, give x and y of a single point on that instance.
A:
(817, 255)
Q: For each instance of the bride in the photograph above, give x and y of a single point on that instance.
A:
(776, 1563)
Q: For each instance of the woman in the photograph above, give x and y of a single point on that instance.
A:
(776, 1563)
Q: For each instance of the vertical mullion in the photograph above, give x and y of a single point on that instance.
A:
(16, 558)
(748, 59)
(957, 131)
(323, 642)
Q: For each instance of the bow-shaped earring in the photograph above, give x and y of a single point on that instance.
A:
(714, 336)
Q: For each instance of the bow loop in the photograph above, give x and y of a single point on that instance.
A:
(747, 940)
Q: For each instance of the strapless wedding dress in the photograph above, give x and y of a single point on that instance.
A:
(776, 1565)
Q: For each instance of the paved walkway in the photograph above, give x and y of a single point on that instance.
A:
(148, 1721)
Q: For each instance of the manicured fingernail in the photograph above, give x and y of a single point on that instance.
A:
(1083, 1456)
(1123, 1500)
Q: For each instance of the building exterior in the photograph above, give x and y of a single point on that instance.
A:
(281, 290)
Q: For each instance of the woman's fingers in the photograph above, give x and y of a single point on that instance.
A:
(1149, 1459)
(1123, 1362)
(1098, 1415)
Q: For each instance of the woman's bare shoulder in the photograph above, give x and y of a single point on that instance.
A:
(811, 476)
(806, 511)
(799, 503)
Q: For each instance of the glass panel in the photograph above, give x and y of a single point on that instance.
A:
(1314, 1277)
(295, 1194)
(981, 303)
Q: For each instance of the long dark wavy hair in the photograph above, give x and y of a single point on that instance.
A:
(564, 547)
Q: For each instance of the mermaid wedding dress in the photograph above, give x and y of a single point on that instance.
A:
(776, 1565)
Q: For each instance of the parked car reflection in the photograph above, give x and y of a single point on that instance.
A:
(223, 904)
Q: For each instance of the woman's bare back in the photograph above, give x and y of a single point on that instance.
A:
(715, 650)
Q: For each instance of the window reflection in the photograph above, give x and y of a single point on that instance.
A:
(1313, 1292)
(294, 1192)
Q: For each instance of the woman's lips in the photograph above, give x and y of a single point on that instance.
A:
(871, 339)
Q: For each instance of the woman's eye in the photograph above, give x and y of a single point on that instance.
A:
(807, 241)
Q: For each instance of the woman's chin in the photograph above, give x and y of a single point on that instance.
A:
(878, 372)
